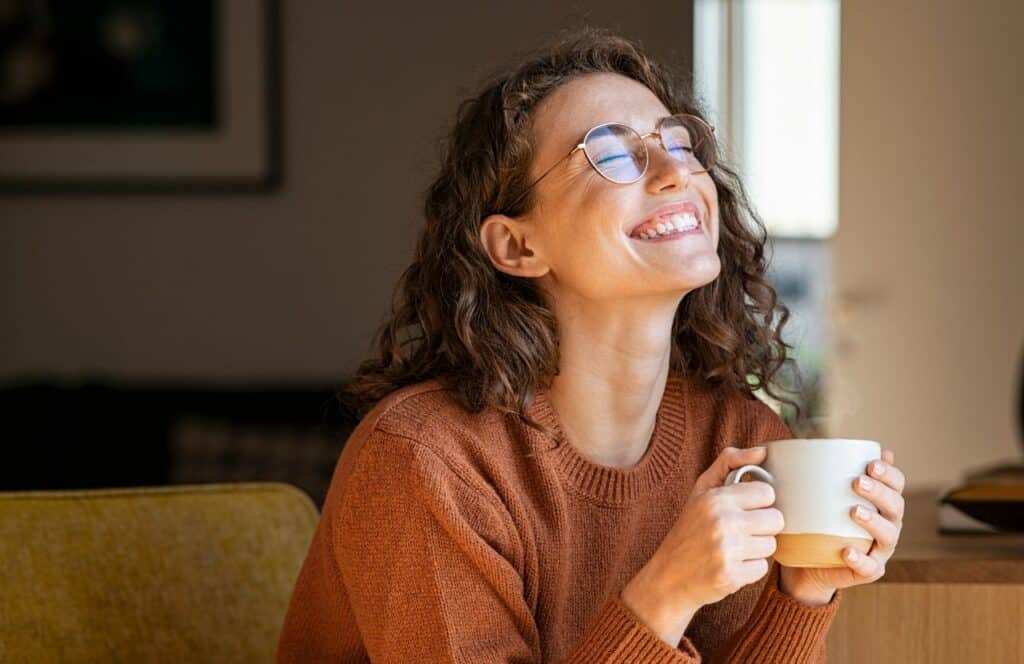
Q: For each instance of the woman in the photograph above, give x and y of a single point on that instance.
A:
(563, 386)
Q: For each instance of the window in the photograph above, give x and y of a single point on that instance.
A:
(767, 72)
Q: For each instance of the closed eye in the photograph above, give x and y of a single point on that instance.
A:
(611, 158)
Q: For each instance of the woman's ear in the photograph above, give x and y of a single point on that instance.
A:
(510, 245)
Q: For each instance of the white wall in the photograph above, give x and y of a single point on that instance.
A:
(928, 264)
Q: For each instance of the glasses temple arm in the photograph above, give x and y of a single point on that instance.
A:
(543, 175)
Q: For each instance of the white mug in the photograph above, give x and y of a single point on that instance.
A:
(813, 482)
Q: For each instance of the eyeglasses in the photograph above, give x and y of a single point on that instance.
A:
(619, 153)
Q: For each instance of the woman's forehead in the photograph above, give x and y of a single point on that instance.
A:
(569, 111)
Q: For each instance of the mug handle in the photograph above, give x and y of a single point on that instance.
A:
(735, 476)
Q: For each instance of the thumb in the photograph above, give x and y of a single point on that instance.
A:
(730, 459)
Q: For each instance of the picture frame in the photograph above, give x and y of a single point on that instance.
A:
(198, 112)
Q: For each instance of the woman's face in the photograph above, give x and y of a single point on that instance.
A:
(576, 238)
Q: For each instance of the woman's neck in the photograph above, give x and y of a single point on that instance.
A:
(609, 388)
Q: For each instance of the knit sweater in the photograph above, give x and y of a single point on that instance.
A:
(448, 536)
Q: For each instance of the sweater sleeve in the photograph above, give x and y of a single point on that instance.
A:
(780, 628)
(430, 562)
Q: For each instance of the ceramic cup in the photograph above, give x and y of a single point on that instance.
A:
(813, 482)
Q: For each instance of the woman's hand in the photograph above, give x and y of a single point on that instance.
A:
(886, 493)
(720, 542)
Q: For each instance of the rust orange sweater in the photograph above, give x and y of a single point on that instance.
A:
(452, 537)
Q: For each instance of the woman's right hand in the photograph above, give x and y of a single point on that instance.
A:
(720, 542)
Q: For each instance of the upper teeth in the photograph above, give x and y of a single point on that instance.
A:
(677, 222)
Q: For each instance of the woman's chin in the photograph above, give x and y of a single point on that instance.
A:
(698, 268)
(696, 276)
(676, 286)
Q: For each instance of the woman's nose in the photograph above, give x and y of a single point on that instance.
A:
(665, 171)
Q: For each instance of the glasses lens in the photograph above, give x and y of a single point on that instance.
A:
(689, 140)
(617, 152)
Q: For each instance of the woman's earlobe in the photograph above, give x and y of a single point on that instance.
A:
(509, 246)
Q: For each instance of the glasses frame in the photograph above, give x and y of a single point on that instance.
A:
(582, 145)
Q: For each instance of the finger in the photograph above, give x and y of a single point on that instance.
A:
(734, 457)
(888, 502)
(730, 459)
(766, 521)
(750, 495)
(889, 456)
(752, 570)
(759, 546)
(868, 567)
(888, 474)
(884, 531)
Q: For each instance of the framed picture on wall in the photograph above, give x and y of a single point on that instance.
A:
(123, 96)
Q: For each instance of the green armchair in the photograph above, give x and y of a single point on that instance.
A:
(188, 573)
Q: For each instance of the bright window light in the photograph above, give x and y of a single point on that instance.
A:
(769, 70)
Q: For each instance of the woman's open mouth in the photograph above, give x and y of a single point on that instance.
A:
(670, 227)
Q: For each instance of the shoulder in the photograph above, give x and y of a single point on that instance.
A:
(407, 410)
(733, 417)
(422, 429)
(417, 451)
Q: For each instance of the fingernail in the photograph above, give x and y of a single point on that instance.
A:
(851, 555)
(861, 513)
(879, 469)
(866, 483)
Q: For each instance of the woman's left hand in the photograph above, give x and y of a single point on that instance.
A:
(885, 491)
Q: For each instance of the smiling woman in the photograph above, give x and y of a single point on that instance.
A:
(492, 332)
(565, 381)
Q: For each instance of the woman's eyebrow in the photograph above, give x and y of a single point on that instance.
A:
(654, 125)
(657, 120)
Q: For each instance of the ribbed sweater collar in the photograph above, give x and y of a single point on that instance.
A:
(607, 484)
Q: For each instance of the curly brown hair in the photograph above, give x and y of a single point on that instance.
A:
(488, 335)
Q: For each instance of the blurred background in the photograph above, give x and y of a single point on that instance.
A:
(204, 207)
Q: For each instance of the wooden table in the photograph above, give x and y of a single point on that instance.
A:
(944, 598)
